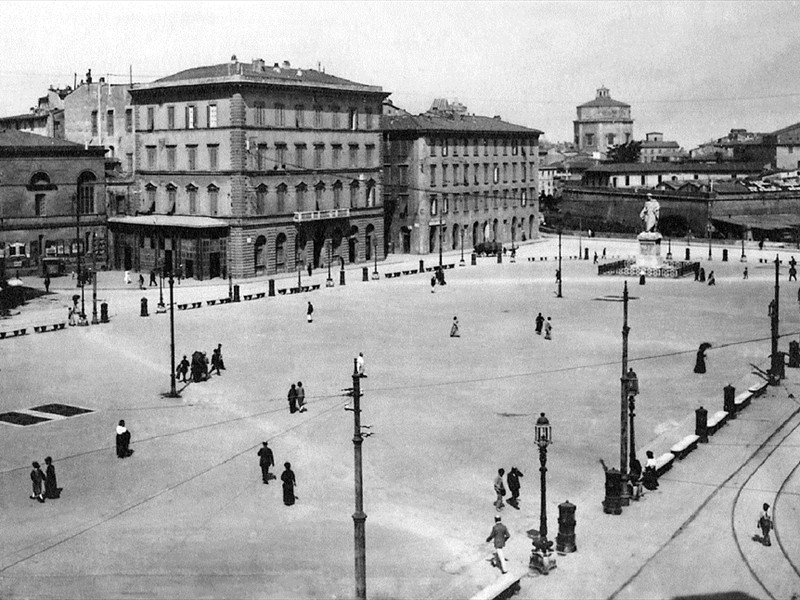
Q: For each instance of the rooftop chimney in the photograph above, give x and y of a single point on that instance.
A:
(258, 65)
(276, 67)
(233, 58)
(89, 76)
(286, 65)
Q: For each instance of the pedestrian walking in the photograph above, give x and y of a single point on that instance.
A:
(219, 357)
(711, 279)
(141, 281)
(51, 489)
(548, 329)
(215, 361)
(433, 284)
(454, 328)
(153, 278)
(289, 483)
(183, 369)
(71, 316)
(513, 486)
(123, 441)
(127, 277)
(310, 269)
(360, 365)
(744, 275)
(499, 489)
(499, 536)
(309, 312)
(604, 252)
(595, 257)
(37, 481)
(539, 324)
(301, 397)
(265, 460)
(764, 522)
(650, 477)
(702, 275)
(558, 275)
(47, 284)
(792, 273)
(700, 360)
(292, 397)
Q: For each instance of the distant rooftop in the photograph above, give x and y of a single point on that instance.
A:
(657, 167)
(444, 116)
(603, 99)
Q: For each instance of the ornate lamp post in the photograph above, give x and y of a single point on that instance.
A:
(441, 230)
(173, 392)
(461, 262)
(329, 281)
(82, 320)
(542, 558)
(623, 432)
(633, 391)
(161, 308)
(560, 277)
(375, 256)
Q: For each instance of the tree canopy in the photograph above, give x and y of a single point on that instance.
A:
(625, 153)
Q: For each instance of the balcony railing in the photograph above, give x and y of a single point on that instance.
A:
(317, 215)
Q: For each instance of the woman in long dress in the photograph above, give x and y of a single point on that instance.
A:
(287, 477)
(650, 477)
(50, 483)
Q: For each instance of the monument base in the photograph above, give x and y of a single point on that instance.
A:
(649, 250)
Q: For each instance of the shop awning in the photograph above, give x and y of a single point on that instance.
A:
(184, 221)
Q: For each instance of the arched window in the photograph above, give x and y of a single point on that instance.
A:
(319, 193)
(280, 252)
(354, 194)
(40, 181)
(86, 183)
(280, 193)
(261, 199)
(370, 193)
(337, 194)
(300, 196)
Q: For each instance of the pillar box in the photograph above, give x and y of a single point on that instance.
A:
(364, 273)
(236, 297)
(701, 424)
(104, 312)
(729, 394)
(724, 255)
(474, 258)
(794, 354)
(143, 312)
(688, 254)
(421, 266)
(341, 277)
(565, 540)
(271, 287)
(499, 257)
(612, 505)
(585, 254)
(780, 365)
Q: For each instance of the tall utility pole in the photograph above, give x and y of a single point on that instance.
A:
(623, 424)
(173, 392)
(359, 516)
(441, 226)
(774, 375)
(559, 263)
(82, 320)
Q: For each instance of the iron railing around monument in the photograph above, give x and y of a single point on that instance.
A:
(611, 267)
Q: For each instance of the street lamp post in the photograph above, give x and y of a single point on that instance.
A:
(441, 230)
(560, 276)
(542, 558)
(513, 248)
(359, 516)
(776, 366)
(82, 319)
(744, 258)
(375, 274)
(173, 392)
(633, 391)
(329, 281)
(623, 433)
(95, 320)
(708, 230)
(461, 262)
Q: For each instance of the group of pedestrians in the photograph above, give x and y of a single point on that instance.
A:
(288, 480)
(546, 325)
(297, 398)
(44, 485)
(199, 366)
(512, 479)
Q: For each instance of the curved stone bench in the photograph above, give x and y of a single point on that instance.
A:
(758, 388)
(685, 446)
(664, 463)
(742, 401)
(716, 421)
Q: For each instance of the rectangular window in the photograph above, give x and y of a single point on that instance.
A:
(403, 175)
(110, 123)
(610, 139)
(455, 149)
(191, 155)
(476, 200)
(260, 113)
(445, 204)
(151, 118)
(485, 172)
(151, 157)
(444, 175)
(466, 174)
(432, 146)
(627, 180)
(280, 155)
(171, 158)
(456, 179)
(300, 156)
(466, 147)
(524, 168)
(280, 115)
(434, 205)
(211, 115)
(95, 128)
(335, 117)
(191, 117)
(475, 174)
(129, 162)
(318, 116)
(318, 150)
(433, 175)
(367, 118)
(170, 117)
(513, 172)
(336, 155)
(337, 196)
(299, 116)
(524, 200)
(590, 139)
(456, 199)
(213, 201)
(128, 120)
(213, 157)
(476, 142)
(496, 174)
(353, 155)
(261, 201)
(505, 148)
(353, 119)
(514, 147)
(261, 157)
(39, 206)
(445, 147)
(369, 155)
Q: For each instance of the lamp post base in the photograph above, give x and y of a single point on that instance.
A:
(161, 308)
(170, 395)
(329, 282)
(375, 275)
(543, 559)
(462, 263)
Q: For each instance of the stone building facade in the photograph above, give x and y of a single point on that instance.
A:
(254, 168)
(450, 174)
(49, 187)
(601, 123)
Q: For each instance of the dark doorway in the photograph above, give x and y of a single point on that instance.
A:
(127, 259)
(214, 265)
(319, 245)
(168, 264)
(352, 249)
(406, 233)
(189, 269)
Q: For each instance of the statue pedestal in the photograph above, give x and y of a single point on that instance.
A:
(649, 250)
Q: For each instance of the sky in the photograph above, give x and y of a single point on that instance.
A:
(692, 70)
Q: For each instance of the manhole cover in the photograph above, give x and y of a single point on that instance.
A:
(64, 410)
(21, 419)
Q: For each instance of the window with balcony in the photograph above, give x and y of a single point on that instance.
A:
(319, 192)
(300, 196)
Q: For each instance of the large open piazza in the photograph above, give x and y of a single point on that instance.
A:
(187, 516)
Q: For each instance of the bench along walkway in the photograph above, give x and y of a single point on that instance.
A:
(685, 446)
(503, 587)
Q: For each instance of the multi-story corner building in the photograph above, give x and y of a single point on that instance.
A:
(450, 176)
(656, 149)
(47, 188)
(254, 168)
(46, 118)
(601, 123)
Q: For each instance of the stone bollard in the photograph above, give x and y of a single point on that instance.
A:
(236, 297)
(341, 277)
(585, 254)
(104, 312)
(701, 424)
(271, 287)
(724, 255)
(642, 279)
(474, 258)
(794, 355)
(364, 273)
(143, 312)
(612, 505)
(688, 254)
(421, 266)
(499, 258)
(565, 540)
(729, 395)
(780, 365)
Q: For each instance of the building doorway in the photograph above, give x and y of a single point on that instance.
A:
(405, 234)
(214, 265)
(260, 255)
(127, 260)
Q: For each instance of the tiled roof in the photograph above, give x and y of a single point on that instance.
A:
(604, 102)
(265, 74)
(14, 138)
(656, 167)
(26, 116)
(659, 144)
(459, 123)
